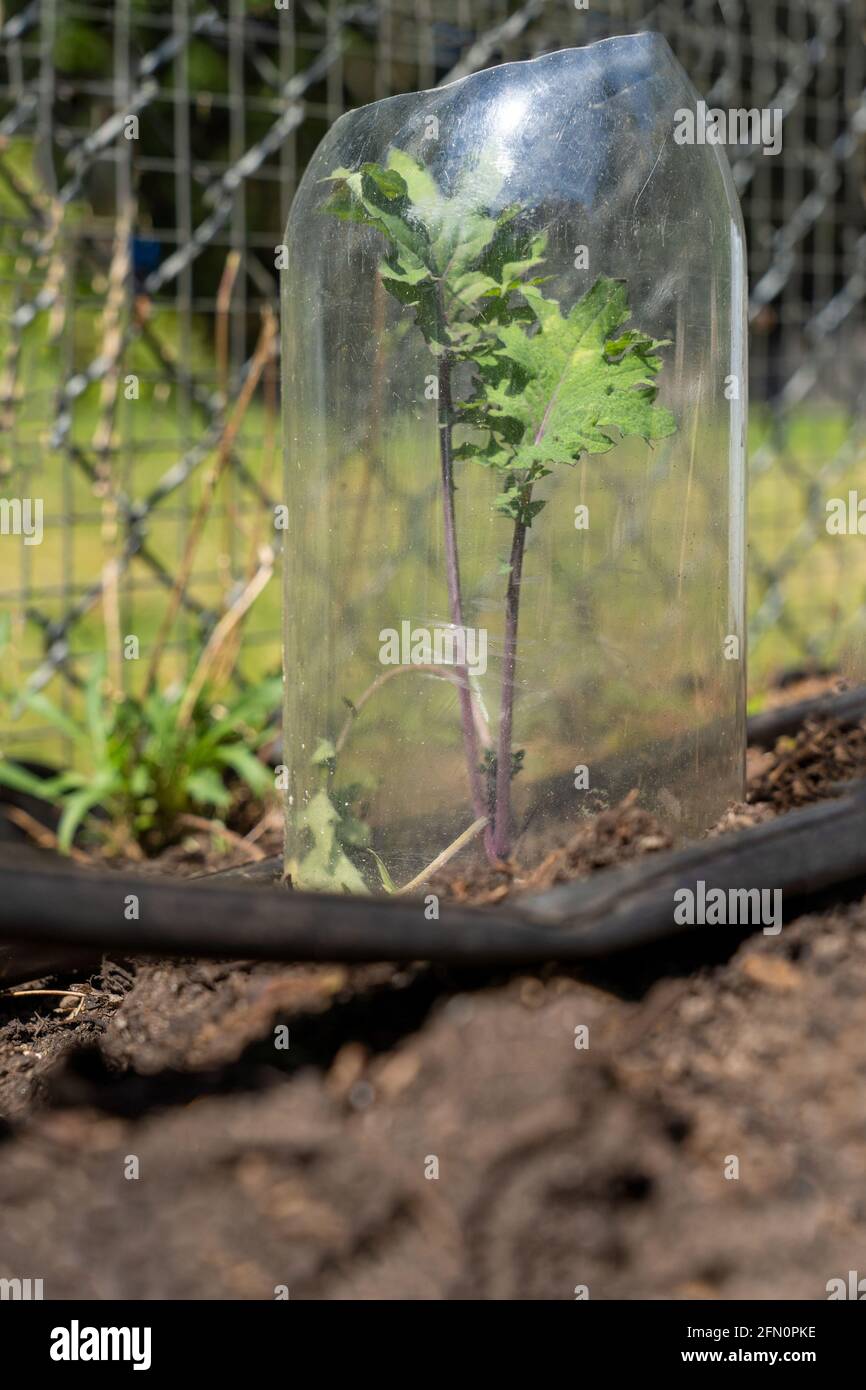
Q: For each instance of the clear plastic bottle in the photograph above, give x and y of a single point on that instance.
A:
(514, 360)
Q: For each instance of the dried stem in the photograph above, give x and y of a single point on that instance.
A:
(441, 859)
(264, 350)
(221, 633)
(113, 338)
(223, 307)
(269, 453)
(219, 831)
(64, 993)
(40, 834)
(447, 673)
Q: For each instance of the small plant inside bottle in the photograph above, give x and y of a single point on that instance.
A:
(546, 388)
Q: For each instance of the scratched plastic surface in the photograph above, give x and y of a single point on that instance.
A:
(629, 656)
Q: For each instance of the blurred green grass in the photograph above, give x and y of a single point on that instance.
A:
(149, 436)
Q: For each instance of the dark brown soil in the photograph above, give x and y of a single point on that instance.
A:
(815, 764)
(429, 1134)
(611, 837)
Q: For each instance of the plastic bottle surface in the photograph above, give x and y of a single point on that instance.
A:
(514, 357)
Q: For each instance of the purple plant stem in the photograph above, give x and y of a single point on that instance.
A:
(455, 601)
(502, 804)
(501, 815)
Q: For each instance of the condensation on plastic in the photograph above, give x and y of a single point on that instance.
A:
(625, 660)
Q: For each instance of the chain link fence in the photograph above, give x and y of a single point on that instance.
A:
(149, 150)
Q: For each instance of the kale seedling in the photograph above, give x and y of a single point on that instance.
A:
(547, 387)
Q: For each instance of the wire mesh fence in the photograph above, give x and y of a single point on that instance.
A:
(149, 150)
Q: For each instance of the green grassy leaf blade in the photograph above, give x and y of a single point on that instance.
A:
(387, 881)
(206, 787)
(75, 810)
(40, 704)
(18, 779)
(248, 767)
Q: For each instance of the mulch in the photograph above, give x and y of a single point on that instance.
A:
(815, 764)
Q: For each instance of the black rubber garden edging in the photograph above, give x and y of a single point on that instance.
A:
(801, 853)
